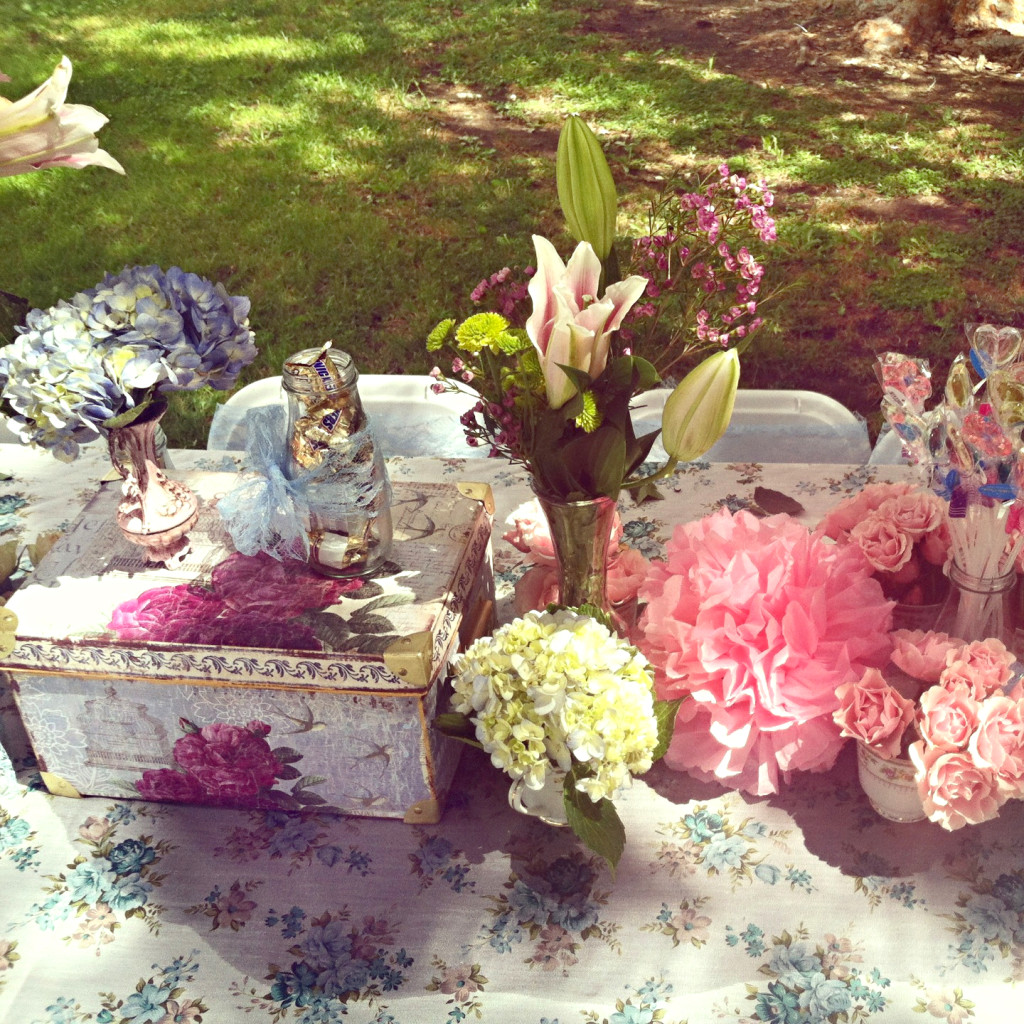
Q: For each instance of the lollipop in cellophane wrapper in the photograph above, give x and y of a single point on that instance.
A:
(335, 460)
(970, 448)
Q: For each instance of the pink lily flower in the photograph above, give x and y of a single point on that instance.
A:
(569, 324)
(41, 130)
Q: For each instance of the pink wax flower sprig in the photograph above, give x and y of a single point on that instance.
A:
(902, 531)
(956, 710)
(703, 278)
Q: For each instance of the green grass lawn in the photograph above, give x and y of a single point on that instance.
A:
(324, 159)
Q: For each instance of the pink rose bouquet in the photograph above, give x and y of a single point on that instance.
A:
(949, 706)
(539, 585)
(902, 532)
(758, 622)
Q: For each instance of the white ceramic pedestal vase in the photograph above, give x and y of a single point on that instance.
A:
(889, 785)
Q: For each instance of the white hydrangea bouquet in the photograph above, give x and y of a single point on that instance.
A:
(557, 698)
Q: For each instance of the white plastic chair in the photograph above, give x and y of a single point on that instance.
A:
(774, 426)
(406, 416)
(888, 450)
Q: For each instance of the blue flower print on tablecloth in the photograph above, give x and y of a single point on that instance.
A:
(878, 880)
(647, 1004)
(643, 534)
(548, 909)
(709, 841)
(298, 837)
(989, 926)
(231, 909)
(335, 962)
(807, 982)
(97, 894)
(10, 504)
(461, 984)
(685, 924)
(436, 859)
(17, 837)
(163, 998)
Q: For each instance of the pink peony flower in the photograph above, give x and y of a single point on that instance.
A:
(998, 743)
(231, 763)
(954, 790)
(916, 513)
(922, 654)
(884, 544)
(871, 711)
(986, 664)
(947, 716)
(759, 622)
(269, 588)
(168, 785)
(844, 516)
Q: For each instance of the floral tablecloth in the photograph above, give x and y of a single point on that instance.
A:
(804, 907)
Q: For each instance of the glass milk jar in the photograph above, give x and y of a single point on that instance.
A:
(335, 464)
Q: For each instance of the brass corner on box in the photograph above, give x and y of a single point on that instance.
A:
(478, 492)
(410, 658)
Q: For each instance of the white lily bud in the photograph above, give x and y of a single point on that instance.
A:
(586, 189)
(697, 413)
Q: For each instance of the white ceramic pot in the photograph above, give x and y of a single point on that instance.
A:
(545, 803)
(889, 785)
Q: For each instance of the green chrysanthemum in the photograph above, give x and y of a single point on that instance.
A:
(590, 418)
(439, 336)
(484, 330)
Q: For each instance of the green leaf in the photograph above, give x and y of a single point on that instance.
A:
(330, 628)
(458, 726)
(286, 755)
(604, 457)
(288, 772)
(665, 715)
(597, 825)
(367, 622)
(370, 643)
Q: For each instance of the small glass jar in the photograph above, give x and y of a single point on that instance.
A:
(339, 468)
(979, 607)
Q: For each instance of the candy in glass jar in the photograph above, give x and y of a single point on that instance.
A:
(337, 464)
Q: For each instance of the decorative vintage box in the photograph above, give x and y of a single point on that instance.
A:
(244, 681)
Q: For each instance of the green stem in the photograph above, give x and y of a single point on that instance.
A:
(665, 471)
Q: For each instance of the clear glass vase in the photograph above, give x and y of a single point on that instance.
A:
(979, 607)
(333, 455)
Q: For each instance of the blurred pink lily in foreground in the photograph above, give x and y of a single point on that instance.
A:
(569, 324)
(41, 130)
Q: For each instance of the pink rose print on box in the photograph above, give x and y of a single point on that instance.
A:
(251, 601)
(229, 766)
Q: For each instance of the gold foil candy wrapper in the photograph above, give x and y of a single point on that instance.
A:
(332, 413)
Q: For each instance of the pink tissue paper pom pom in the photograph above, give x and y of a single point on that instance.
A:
(759, 622)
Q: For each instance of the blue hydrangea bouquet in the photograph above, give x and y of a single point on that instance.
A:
(99, 361)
